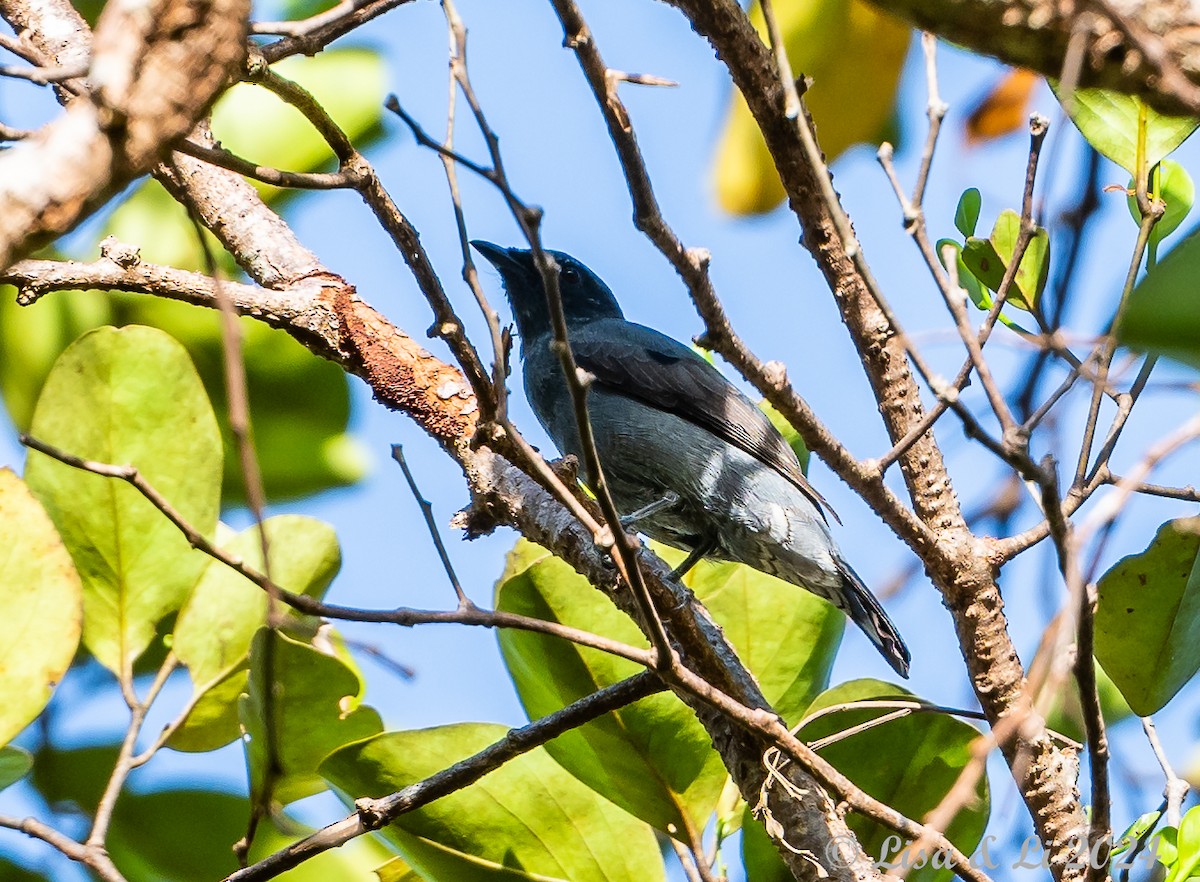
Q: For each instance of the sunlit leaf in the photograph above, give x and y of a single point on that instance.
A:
(225, 610)
(1173, 185)
(1186, 842)
(529, 816)
(127, 397)
(652, 758)
(32, 337)
(988, 260)
(15, 764)
(1109, 121)
(1148, 617)
(299, 403)
(255, 123)
(966, 215)
(853, 53)
(41, 596)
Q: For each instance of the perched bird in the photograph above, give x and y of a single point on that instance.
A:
(690, 461)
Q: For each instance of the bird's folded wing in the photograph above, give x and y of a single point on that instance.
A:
(650, 367)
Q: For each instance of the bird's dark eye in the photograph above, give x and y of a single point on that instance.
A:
(569, 274)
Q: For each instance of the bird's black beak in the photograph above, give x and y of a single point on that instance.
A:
(500, 258)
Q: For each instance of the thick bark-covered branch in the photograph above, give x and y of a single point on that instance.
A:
(1148, 49)
(155, 69)
(959, 563)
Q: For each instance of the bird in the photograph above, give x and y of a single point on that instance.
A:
(689, 459)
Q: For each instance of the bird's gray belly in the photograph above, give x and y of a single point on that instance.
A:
(754, 514)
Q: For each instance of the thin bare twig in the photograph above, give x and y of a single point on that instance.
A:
(95, 859)
(434, 533)
(1176, 788)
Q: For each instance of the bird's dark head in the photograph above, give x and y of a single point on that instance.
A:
(584, 296)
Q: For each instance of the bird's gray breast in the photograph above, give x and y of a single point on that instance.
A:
(755, 515)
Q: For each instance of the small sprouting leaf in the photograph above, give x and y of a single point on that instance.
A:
(41, 597)
(1187, 847)
(1148, 617)
(966, 279)
(1173, 185)
(15, 764)
(529, 816)
(966, 216)
(1136, 831)
(1109, 121)
(127, 397)
(315, 708)
(988, 260)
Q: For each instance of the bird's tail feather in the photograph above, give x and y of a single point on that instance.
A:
(865, 611)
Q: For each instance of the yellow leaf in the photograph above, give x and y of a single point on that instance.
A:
(853, 55)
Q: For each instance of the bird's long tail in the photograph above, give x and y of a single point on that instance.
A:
(865, 611)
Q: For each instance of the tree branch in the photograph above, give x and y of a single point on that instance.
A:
(1149, 49)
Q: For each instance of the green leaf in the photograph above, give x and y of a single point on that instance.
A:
(300, 403)
(1109, 122)
(127, 397)
(789, 434)
(397, 870)
(356, 861)
(529, 815)
(180, 835)
(988, 260)
(759, 855)
(315, 708)
(1163, 313)
(966, 279)
(909, 763)
(786, 636)
(1173, 185)
(10, 872)
(1164, 846)
(1148, 617)
(73, 778)
(1187, 845)
(225, 610)
(255, 123)
(966, 216)
(15, 764)
(32, 337)
(652, 758)
(213, 720)
(41, 596)
(1136, 831)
